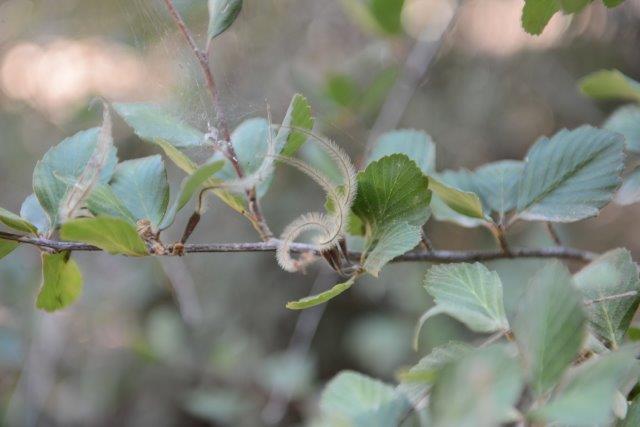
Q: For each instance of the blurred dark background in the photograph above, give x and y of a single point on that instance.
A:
(206, 340)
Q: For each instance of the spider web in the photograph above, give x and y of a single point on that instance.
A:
(153, 33)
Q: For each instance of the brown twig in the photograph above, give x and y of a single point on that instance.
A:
(554, 234)
(258, 220)
(441, 256)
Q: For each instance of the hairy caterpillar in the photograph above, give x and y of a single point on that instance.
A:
(330, 225)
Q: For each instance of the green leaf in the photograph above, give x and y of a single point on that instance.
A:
(342, 90)
(390, 242)
(104, 202)
(32, 212)
(587, 399)
(469, 293)
(141, 185)
(6, 247)
(610, 84)
(387, 14)
(356, 400)
(633, 414)
(222, 13)
(629, 192)
(61, 284)
(536, 14)
(613, 273)
(573, 6)
(417, 145)
(497, 185)
(477, 390)
(112, 235)
(549, 326)
(392, 189)
(177, 157)
(417, 381)
(189, 166)
(190, 185)
(612, 3)
(465, 203)
(570, 176)
(56, 173)
(298, 117)
(312, 301)
(14, 221)
(392, 203)
(152, 123)
(626, 121)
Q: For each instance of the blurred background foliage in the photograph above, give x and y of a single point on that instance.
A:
(206, 340)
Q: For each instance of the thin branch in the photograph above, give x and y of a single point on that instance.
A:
(443, 256)
(258, 220)
(554, 234)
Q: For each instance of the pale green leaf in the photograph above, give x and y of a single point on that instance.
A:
(141, 185)
(497, 185)
(610, 84)
(6, 247)
(56, 173)
(298, 116)
(190, 185)
(417, 145)
(626, 121)
(612, 3)
(629, 192)
(549, 326)
(417, 381)
(33, 212)
(536, 14)
(588, 397)
(313, 300)
(250, 141)
(104, 202)
(391, 241)
(476, 390)
(465, 203)
(469, 293)
(112, 235)
(152, 123)
(570, 176)
(613, 273)
(222, 13)
(356, 400)
(14, 221)
(61, 283)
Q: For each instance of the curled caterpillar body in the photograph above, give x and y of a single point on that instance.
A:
(331, 226)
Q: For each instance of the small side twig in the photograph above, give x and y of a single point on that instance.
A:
(554, 234)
